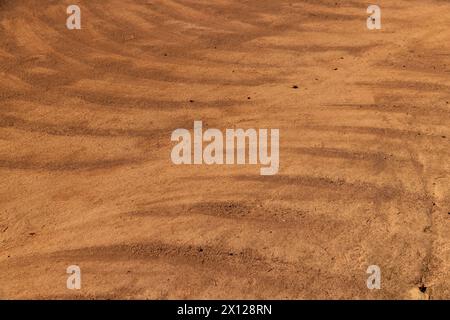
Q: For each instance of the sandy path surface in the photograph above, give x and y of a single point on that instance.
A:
(86, 176)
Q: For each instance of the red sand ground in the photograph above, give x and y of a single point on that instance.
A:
(86, 176)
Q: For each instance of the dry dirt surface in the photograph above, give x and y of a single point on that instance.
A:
(87, 179)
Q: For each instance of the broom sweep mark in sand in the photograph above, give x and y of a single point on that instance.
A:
(213, 151)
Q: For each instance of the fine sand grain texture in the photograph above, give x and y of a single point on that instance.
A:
(85, 171)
